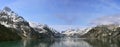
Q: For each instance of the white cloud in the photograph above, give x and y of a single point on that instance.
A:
(113, 19)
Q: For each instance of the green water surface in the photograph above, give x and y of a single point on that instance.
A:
(63, 42)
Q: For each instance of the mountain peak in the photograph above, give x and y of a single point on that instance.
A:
(7, 9)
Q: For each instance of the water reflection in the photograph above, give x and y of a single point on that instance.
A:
(62, 42)
(70, 42)
(103, 42)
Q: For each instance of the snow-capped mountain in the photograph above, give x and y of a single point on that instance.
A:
(85, 30)
(43, 28)
(75, 32)
(103, 31)
(71, 33)
(10, 19)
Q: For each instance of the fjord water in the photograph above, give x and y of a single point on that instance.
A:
(63, 42)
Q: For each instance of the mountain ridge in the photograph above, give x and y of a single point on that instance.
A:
(10, 19)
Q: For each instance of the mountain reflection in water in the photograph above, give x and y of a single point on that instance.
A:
(62, 42)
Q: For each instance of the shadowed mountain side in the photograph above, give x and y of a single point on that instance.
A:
(103, 31)
(8, 33)
(12, 20)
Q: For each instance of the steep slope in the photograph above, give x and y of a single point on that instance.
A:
(44, 30)
(103, 31)
(10, 19)
(8, 34)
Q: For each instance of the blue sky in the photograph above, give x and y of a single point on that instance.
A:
(63, 12)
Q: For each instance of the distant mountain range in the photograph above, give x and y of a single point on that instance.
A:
(111, 31)
(13, 26)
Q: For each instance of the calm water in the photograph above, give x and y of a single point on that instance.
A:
(69, 42)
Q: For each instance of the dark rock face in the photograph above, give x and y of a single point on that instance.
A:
(8, 34)
(103, 31)
(7, 9)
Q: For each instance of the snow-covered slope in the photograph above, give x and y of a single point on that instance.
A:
(71, 33)
(43, 28)
(10, 19)
(75, 32)
(86, 30)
